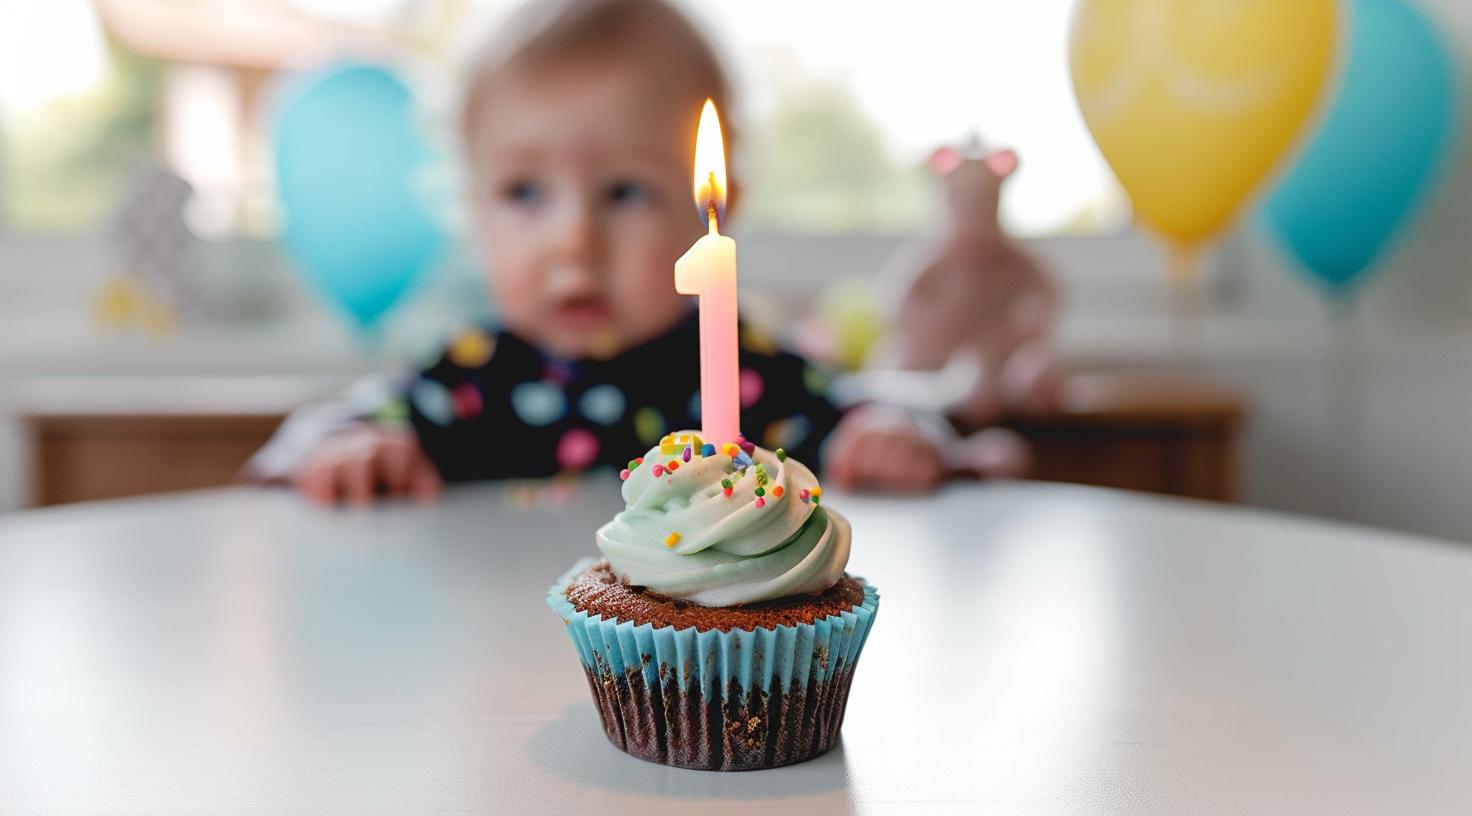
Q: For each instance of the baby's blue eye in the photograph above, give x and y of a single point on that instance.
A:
(627, 192)
(523, 192)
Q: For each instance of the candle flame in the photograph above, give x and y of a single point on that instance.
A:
(710, 166)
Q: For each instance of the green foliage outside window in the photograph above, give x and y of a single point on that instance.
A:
(821, 165)
(67, 163)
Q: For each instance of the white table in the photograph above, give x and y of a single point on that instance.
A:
(1039, 648)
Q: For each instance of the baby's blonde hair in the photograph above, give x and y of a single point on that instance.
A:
(544, 32)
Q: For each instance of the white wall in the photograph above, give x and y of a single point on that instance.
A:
(1385, 437)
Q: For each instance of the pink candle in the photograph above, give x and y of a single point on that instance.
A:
(708, 269)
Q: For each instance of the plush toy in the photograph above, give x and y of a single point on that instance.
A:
(976, 294)
(155, 285)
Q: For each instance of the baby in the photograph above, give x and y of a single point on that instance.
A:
(579, 135)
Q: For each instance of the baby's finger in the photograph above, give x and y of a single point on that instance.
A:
(887, 467)
(875, 463)
(867, 458)
(887, 450)
(316, 483)
(357, 480)
(922, 469)
(396, 465)
(906, 466)
(424, 481)
(836, 462)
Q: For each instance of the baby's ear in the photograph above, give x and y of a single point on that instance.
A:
(944, 160)
(1002, 163)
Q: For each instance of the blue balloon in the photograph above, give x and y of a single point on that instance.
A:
(1384, 137)
(350, 164)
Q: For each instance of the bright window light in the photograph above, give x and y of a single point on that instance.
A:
(932, 72)
(47, 51)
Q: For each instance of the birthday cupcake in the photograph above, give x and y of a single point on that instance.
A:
(720, 631)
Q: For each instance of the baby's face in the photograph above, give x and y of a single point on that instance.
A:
(583, 204)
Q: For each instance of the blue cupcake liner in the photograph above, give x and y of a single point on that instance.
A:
(677, 696)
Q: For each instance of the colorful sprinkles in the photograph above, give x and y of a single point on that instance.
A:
(671, 444)
(682, 448)
(672, 539)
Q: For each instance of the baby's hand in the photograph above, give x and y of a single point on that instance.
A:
(877, 448)
(356, 464)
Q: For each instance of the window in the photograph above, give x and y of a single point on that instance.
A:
(848, 100)
(76, 115)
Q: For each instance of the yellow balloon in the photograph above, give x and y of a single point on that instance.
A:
(1193, 101)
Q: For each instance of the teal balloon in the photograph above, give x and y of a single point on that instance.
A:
(350, 167)
(1384, 137)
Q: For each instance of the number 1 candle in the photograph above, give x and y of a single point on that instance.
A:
(708, 269)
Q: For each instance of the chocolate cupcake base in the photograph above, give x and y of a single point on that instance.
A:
(733, 732)
(713, 699)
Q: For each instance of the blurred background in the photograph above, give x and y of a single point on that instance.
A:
(153, 330)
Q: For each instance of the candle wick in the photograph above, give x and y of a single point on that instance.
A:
(710, 204)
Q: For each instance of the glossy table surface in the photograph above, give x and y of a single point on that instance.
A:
(1039, 648)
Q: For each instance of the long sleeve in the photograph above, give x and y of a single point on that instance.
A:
(305, 428)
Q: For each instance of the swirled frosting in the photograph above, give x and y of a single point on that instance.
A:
(726, 528)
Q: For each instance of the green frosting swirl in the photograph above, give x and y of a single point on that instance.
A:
(725, 550)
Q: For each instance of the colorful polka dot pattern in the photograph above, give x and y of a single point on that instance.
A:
(757, 340)
(816, 380)
(543, 412)
(472, 349)
(577, 449)
(604, 404)
(786, 433)
(538, 403)
(468, 401)
(751, 387)
(393, 412)
(649, 424)
(433, 402)
(557, 371)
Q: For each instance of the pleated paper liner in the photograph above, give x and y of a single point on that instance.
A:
(722, 701)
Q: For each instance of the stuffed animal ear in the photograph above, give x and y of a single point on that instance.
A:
(1002, 163)
(944, 160)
